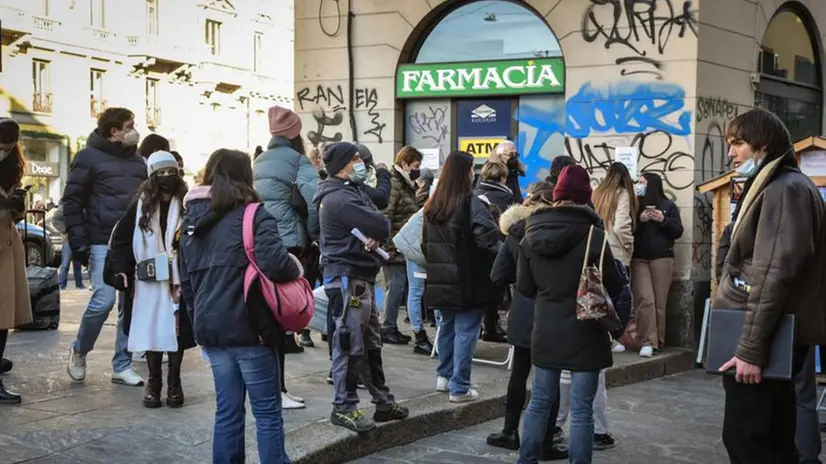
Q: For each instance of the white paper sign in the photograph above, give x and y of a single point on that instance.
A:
(813, 163)
(628, 156)
(431, 158)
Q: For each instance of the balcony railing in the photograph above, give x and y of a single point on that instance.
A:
(153, 117)
(45, 24)
(100, 34)
(96, 107)
(42, 102)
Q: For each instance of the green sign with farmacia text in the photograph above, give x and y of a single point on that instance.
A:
(511, 77)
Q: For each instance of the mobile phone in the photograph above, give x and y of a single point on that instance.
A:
(650, 208)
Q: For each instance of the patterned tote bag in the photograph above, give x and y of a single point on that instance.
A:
(592, 300)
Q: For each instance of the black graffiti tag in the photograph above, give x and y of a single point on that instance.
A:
(323, 121)
(331, 97)
(430, 124)
(368, 98)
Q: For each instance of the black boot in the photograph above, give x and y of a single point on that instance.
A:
(493, 331)
(290, 346)
(152, 394)
(5, 365)
(553, 452)
(423, 344)
(7, 397)
(306, 340)
(505, 439)
(393, 337)
(174, 388)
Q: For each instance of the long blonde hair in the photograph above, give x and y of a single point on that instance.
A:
(606, 195)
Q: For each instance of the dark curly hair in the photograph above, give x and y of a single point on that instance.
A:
(151, 194)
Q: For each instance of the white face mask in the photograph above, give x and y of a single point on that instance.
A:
(131, 138)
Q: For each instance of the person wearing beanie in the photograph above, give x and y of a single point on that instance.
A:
(15, 306)
(154, 318)
(559, 241)
(287, 182)
(103, 179)
(350, 269)
(377, 185)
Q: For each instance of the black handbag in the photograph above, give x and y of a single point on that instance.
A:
(153, 269)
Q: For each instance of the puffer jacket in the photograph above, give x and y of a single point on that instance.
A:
(212, 266)
(275, 172)
(520, 314)
(778, 247)
(103, 180)
(496, 194)
(400, 208)
(408, 241)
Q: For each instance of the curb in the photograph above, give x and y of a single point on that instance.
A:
(322, 443)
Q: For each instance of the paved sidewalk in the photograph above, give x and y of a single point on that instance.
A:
(98, 422)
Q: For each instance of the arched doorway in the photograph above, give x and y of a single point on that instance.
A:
(790, 78)
(470, 74)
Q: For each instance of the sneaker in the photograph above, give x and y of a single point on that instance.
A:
(127, 377)
(468, 396)
(355, 421)
(397, 412)
(80, 287)
(441, 384)
(603, 441)
(288, 403)
(559, 435)
(77, 366)
(306, 340)
(617, 347)
(647, 351)
(295, 398)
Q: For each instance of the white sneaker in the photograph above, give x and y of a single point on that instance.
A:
(470, 395)
(288, 403)
(128, 377)
(297, 399)
(647, 351)
(441, 384)
(77, 365)
(617, 347)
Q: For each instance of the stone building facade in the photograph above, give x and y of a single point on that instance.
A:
(655, 81)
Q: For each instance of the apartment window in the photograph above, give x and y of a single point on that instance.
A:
(257, 44)
(97, 12)
(97, 100)
(153, 104)
(213, 37)
(42, 101)
(152, 18)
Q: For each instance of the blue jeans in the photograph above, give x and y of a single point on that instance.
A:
(415, 294)
(583, 390)
(100, 305)
(66, 258)
(395, 284)
(238, 370)
(458, 334)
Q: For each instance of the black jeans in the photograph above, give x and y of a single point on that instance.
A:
(4, 335)
(517, 394)
(760, 420)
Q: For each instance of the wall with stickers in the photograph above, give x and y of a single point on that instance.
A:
(664, 77)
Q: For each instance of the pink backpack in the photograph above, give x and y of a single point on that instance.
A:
(292, 303)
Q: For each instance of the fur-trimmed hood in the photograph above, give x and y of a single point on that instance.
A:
(516, 214)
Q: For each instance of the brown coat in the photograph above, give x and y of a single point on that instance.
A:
(778, 248)
(15, 305)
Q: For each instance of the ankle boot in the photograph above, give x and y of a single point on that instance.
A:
(423, 344)
(152, 394)
(290, 346)
(174, 388)
(507, 439)
(7, 397)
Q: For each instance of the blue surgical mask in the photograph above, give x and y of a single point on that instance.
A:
(639, 189)
(749, 168)
(359, 173)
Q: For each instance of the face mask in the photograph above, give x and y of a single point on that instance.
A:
(167, 184)
(639, 189)
(131, 138)
(414, 174)
(513, 163)
(749, 168)
(359, 173)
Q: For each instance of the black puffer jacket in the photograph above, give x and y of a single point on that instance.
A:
(103, 180)
(496, 194)
(459, 255)
(520, 315)
(654, 240)
(550, 264)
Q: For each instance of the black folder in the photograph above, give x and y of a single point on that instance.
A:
(725, 328)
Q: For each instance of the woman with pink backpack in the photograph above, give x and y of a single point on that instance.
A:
(234, 324)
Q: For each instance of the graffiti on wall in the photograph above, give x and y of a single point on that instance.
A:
(327, 104)
(640, 29)
(369, 100)
(430, 124)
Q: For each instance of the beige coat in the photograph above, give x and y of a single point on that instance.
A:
(15, 303)
(621, 234)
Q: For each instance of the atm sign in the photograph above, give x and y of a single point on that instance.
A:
(479, 148)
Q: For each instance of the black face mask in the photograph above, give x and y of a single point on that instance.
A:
(414, 174)
(168, 184)
(513, 163)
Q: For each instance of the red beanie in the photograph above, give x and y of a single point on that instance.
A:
(284, 122)
(574, 184)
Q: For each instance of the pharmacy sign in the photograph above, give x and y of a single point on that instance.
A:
(511, 77)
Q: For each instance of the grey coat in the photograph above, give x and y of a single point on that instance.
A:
(275, 171)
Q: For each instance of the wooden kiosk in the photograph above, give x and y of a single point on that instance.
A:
(726, 189)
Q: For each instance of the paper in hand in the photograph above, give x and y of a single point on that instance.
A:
(359, 235)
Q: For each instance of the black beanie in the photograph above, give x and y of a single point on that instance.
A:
(9, 131)
(365, 154)
(337, 156)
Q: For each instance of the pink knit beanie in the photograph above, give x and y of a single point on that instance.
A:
(284, 122)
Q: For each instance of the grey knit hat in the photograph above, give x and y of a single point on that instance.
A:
(161, 160)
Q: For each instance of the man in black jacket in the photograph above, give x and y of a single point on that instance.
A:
(103, 179)
(350, 269)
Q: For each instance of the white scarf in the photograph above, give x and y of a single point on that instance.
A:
(153, 310)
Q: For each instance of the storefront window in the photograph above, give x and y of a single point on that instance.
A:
(790, 82)
(489, 30)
